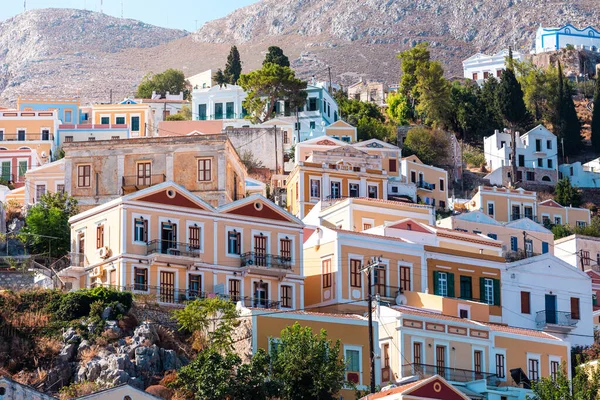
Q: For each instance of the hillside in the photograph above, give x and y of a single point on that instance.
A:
(69, 52)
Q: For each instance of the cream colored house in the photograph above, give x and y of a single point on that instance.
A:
(432, 182)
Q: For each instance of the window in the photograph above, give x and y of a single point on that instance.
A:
(312, 104)
(312, 125)
(367, 226)
(488, 290)
(585, 257)
(104, 120)
(417, 352)
(286, 249)
(120, 120)
(286, 296)
(84, 173)
(140, 279)
(335, 190)
(40, 190)
(352, 361)
(405, 278)
(534, 369)
(135, 124)
(99, 236)
(385, 349)
(558, 220)
(477, 361)
(529, 247)
(372, 192)
(234, 289)
(355, 274)
(530, 175)
(500, 373)
(550, 163)
(525, 302)
(144, 173)
(466, 287)
(540, 162)
(393, 165)
(442, 283)
(442, 185)
(353, 190)
(549, 144)
(493, 236)
(204, 170)
(315, 188)
(442, 204)
(545, 246)
(45, 134)
(486, 74)
(195, 285)
(491, 209)
(68, 139)
(575, 308)
(475, 76)
(140, 232)
(234, 242)
(463, 313)
(60, 188)
(297, 126)
(194, 237)
(581, 224)
(554, 369)
(326, 274)
(521, 160)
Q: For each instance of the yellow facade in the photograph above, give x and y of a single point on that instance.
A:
(49, 178)
(29, 130)
(432, 182)
(137, 116)
(342, 130)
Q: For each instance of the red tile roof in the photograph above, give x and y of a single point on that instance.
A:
(520, 331)
(183, 128)
(397, 390)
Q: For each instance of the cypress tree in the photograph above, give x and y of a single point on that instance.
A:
(568, 127)
(275, 55)
(596, 116)
(233, 68)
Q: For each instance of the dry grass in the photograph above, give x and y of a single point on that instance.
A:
(89, 354)
(78, 390)
(128, 323)
(110, 335)
(39, 376)
(47, 346)
(28, 320)
(168, 378)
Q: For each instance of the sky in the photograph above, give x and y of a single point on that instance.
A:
(179, 14)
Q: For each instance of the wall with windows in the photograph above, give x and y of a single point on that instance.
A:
(14, 165)
(432, 182)
(579, 251)
(557, 214)
(29, 130)
(67, 109)
(136, 116)
(76, 133)
(48, 178)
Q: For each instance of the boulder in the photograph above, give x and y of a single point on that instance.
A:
(170, 360)
(148, 359)
(143, 332)
(136, 382)
(67, 353)
(58, 376)
(160, 391)
(83, 346)
(107, 312)
(71, 336)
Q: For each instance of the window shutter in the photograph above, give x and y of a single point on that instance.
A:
(450, 284)
(525, 306)
(482, 289)
(145, 238)
(239, 243)
(496, 291)
(436, 283)
(175, 232)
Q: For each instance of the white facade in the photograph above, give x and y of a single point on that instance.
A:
(537, 156)
(582, 175)
(582, 252)
(552, 39)
(203, 80)
(481, 66)
(553, 287)
(218, 102)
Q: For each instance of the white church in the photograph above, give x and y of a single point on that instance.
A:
(552, 39)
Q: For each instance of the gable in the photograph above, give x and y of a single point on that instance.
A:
(550, 203)
(326, 142)
(477, 216)
(414, 227)
(414, 159)
(340, 124)
(435, 389)
(259, 209)
(172, 197)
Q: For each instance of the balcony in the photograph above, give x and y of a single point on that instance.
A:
(450, 374)
(425, 185)
(26, 136)
(516, 216)
(171, 248)
(269, 264)
(78, 260)
(133, 183)
(555, 320)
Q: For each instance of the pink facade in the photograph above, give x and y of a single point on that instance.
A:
(14, 164)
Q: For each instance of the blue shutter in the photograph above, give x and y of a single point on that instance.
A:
(514, 243)
(544, 247)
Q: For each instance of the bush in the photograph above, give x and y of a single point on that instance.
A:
(473, 156)
(75, 305)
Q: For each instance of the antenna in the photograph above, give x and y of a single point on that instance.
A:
(121, 8)
(24, 5)
(101, 4)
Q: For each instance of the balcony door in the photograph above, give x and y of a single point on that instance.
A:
(551, 309)
(167, 287)
(260, 250)
(379, 280)
(168, 236)
(440, 360)
(144, 174)
(261, 297)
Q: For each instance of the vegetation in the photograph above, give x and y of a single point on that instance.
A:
(78, 389)
(171, 80)
(232, 71)
(473, 156)
(251, 162)
(185, 114)
(275, 56)
(593, 229)
(566, 194)
(398, 109)
(567, 126)
(430, 145)
(90, 302)
(367, 117)
(269, 85)
(584, 385)
(47, 229)
(596, 117)
(175, 117)
(540, 90)
(434, 95)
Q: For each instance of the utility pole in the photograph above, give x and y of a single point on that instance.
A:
(525, 242)
(329, 69)
(110, 96)
(24, 5)
(369, 269)
(581, 260)
(196, 24)
(101, 5)
(275, 135)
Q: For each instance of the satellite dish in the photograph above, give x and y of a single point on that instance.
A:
(401, 300)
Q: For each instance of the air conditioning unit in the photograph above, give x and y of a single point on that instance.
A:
(104, 252)
(96, 272)
(353, 377)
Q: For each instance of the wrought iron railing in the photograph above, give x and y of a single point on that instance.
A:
(22, 137)
(450, 374)
(143, 181)
(265, 260)
(78, 260)
(172, 248)
(425, 185)
(551, 317)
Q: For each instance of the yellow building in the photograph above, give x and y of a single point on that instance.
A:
(48, 178)
(432, 182)
(166, 242)
(341, 130)
(207, 165)
(137, 116)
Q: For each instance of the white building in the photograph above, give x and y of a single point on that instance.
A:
(218, 102)
(582, 175)
(203, 80)
(481, 66)
(161, 107)
(552, 39)
(548, 294)
(582, 252)
(537, 156)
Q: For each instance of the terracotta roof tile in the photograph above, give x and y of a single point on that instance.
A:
(309, 313)
(520, 331)
(397, 390)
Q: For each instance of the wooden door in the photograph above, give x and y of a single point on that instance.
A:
(440, 360)
(167, 287)
(260, 250)
(144, 173)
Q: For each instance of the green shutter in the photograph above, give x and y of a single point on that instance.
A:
(450, 284)
(436, 283)
(482, 290)
(496, 291)
(22, 168)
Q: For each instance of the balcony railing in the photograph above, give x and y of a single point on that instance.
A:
(515, 216)
(78, 260)
(425, 185)
(222, 116)
(172, 248)
(265, 260)
(451, 374)
(23, 137)
(555, 318)
(140, 182)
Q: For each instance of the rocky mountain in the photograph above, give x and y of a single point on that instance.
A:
(70, 52)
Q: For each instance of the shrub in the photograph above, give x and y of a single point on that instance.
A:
(473, 156)
(88, 354)
(78, 389)
(74, 305)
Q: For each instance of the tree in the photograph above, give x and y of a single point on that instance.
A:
(211, 320)
(307, 365)
(596, 117)
(371, 128)
(353, 110)
(275, 56)
(250, 161)
(566, 194)
(434, 94)
(431, 146)
(584, 385)
(488, 99)
(269, 85)
(512, 108)
(411, 61)
(220, 78)
(568, 126)
(398, 109)
(233, 68)
(47, 229)
(467, 115)
(175, 117)
(171, 80)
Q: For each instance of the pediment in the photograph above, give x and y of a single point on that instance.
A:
(172, 196)
(256, 206)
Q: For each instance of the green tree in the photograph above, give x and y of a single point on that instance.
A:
(175, 117)
(467, 115)
(220, 78)
(434, 94)
(596, 117)
(212, 321)
(488, 99)
(540, 89)
(47, 229)
(411, 61)
(512, 108)
(566, 194)
(398, 109)
(584, 385)
(307, 365)
(431, 146)
(568, 126)
(372, 128)
(171, 80)
(233, 68)
(268, 85)
(353, 110)
(275, 56)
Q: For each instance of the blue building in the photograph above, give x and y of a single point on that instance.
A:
(552, 39)
(68, 109)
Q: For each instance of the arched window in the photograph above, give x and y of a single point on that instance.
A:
(568, 31)
(591, 33)
(546, 179)
(24, 148)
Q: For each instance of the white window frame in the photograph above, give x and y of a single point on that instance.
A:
(493, 204)
(238, 277)
(423, 354)
(353, 182)
(341, 190)
(56, 183)
(17, 133)
(167, 219)
(187, 282)
(369, 221)
(134, 216)
(35, 186)
(464, 307)
(376, 186)
(360, 357)
(122, 116)
(489, 290)
(133, 133)
(443, 278)
(559, 217)
(241, 232)
(147, 268)
(318, 179)
(493, 362)
(257, 232)
(538, 357)
(105, 116)
(189, 224)
(483, 364)
(552, 358)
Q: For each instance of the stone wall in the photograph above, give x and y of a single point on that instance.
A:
(16, 280)
(266, 144)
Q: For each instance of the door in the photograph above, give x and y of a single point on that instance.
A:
(144, 170)
(260, 250)
(201, 112)
(6, 171)
(551, 309)
(465, 288)
(167, 287)
(45, 134)
(379, 279)
(229, 110)
(335, 190)
(218, 110)
(260, 294)
(168, 237)
(516, 212)
(440, 360)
